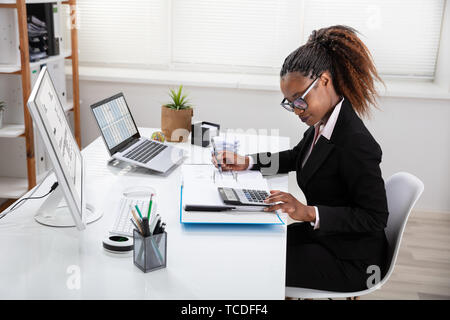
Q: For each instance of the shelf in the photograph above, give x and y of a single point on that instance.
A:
(7, 68)
(12, 130)
(13, 188)
(16, 187)
(8, 5)
(9, 2)
(62, 55)
(68, 106)
(18, 130)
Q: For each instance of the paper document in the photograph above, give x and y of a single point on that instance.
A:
(200, 188)
(201, 182)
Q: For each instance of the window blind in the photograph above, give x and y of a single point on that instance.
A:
(254, 35)
(132, 32)
(403, 37)
(235, 33)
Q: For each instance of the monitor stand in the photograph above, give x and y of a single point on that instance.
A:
(54, 212)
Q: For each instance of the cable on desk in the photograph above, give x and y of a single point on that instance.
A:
(14, 207)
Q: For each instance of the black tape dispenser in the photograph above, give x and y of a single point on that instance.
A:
(118, 244)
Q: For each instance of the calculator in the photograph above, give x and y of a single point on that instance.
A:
(243, 197)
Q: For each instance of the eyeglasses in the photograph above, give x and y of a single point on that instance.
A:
(300, 102)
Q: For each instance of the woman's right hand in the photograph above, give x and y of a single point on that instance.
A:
(231, 161)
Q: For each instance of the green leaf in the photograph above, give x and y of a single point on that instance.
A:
(183, 100)
(179, 95)
(179, 100)
(172, 94)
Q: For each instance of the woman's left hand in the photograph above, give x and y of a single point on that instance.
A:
(289, 204)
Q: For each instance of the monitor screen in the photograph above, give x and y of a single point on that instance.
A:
(115, 121)
(50, 119)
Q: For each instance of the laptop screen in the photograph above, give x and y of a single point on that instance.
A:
(115, 122)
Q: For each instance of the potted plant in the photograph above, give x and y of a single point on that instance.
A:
(2, 112)
(176, 116)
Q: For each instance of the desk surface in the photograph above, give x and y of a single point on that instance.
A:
(203, 261)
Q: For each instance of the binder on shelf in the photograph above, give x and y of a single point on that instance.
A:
(41, 31)
(10, 62)
(56, 29)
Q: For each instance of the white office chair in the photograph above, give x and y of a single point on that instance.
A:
(402, 191)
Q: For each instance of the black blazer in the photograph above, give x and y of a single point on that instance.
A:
(342, 177)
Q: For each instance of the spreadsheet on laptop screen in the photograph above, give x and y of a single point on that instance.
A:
(115, 121)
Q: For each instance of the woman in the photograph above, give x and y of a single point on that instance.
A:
(326, 83)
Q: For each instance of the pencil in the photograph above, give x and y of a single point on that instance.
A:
(135, 217)
(139, 211)
(136, 225)
(150, 207)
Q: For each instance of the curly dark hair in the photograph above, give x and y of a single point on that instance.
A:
(338, 49)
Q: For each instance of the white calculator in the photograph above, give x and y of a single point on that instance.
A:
(243, 197)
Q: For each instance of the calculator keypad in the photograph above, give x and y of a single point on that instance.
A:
(255, 196)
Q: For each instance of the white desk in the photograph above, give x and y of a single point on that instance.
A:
(203, 261)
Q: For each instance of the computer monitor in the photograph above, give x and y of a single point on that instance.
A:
(68, 165)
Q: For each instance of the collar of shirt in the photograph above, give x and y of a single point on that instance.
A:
(326, 129)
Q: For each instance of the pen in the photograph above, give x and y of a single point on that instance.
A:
(136, 226)
(145, 227)
(153, 222)
(215, 156)
(189, 207)
(157, 227)
(150, 206)
(139, 211)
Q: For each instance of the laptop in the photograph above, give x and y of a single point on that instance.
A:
(123, 141)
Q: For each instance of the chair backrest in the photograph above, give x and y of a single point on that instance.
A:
(402, 191)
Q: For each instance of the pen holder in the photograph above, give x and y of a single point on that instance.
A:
(150, 253)
(202, 132)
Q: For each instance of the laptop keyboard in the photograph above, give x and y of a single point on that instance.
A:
(145, 152)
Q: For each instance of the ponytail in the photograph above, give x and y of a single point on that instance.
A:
(338, 49)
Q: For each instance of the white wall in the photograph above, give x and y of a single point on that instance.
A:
(414, 133)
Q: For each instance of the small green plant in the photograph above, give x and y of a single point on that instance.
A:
(2, 105)
(179, 100)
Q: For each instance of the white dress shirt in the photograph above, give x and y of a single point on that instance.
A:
(326, 131)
